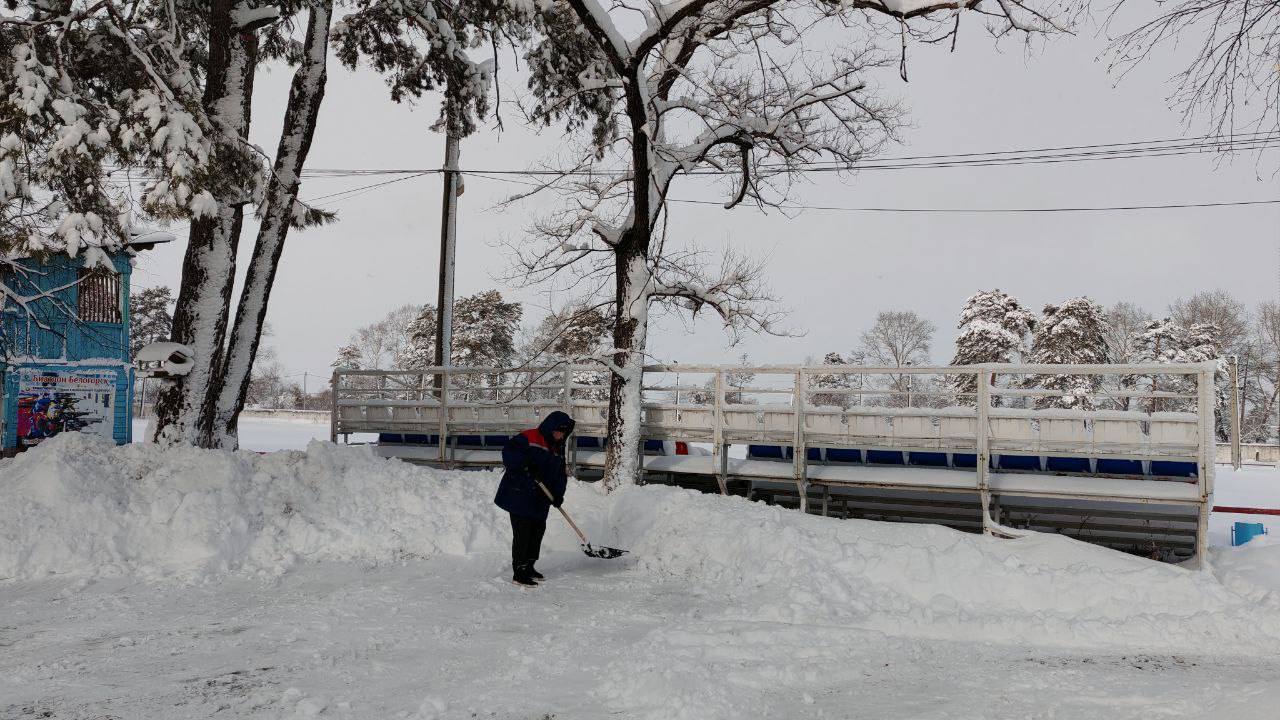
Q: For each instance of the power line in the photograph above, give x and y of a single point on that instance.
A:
(984, 159)
(834, 208)
(1109, 208)
(349, 194)
(354, 192)
(1137, 149)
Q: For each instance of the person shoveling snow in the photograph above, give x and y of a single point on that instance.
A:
(534, 482)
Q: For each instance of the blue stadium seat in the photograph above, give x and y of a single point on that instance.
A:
(1068, 464)
(390, 437)
(927, 459)
(886, 457)
(766, 452)
(814, 455)
(654, 447)
(422, 439)
(496, 440)
(1173, 468)
(1020, 462)
(1112, 466)
(964, 460)
(471, 441)
(844, 455)
(590, 443)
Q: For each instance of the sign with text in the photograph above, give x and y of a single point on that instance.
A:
(54, 401)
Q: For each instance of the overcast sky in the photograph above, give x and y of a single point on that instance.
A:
(832, 270)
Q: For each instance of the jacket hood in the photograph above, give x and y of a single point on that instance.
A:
(556, 421)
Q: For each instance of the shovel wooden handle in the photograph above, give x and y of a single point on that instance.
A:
(567, 519)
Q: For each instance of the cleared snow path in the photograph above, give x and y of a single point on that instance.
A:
(153, 584)
(450, 638)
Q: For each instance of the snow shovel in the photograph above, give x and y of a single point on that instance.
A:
(606, 553)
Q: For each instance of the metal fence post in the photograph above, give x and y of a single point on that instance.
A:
(1208, 450)
(571, 445)
(333, 412)
(719, 450)
(1233, 366)
(982, 440)
(799, 466)
(444, 415)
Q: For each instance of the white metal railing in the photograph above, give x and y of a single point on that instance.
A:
(979, 410)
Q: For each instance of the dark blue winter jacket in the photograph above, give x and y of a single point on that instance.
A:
(534, 454)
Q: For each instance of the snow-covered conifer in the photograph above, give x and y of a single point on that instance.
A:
(831, 381)
(348, 358)
(1073, 332)
(419, 349)
(150, 318)
(994, 328)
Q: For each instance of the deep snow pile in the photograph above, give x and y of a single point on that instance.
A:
(773, 564)
(80, 505)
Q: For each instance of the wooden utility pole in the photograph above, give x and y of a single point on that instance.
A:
(1233, 369)
(448, 246)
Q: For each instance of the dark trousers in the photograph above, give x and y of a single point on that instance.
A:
(526, 540)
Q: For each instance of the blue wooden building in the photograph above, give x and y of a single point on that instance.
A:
(64, 335)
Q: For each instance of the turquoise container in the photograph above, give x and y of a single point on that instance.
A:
(1243, 532)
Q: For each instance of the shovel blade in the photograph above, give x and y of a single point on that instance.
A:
(605, 553)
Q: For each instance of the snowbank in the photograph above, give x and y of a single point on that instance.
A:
(79, 505)
(1251, 570)
(775, 565)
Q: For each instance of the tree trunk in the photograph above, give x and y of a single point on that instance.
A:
(622, 459)
(632, 281)
(301, 114)
(184, 408)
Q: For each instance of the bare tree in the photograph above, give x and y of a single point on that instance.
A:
(899, 338)
(567, 335)
(1125, 325)
(1264, 411)
(1218, 308)
(1231, 79)
(382, 342)
(1124, 322)
(738, 88)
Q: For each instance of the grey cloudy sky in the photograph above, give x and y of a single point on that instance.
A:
(833, 270)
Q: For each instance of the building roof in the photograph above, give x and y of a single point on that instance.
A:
(140, 239)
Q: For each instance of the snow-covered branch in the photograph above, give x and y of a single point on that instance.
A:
(735, 291)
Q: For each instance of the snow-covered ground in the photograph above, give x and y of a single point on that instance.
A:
(150, 584)
(1252, 486)
(264, 434)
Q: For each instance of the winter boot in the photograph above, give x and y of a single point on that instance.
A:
(536, 575)
(523, 575)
